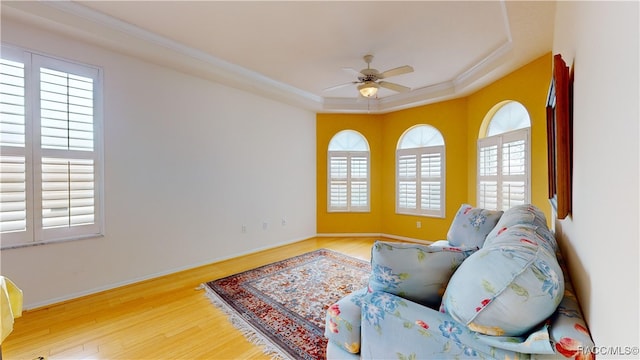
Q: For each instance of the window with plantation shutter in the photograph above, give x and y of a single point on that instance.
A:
(420, 172)
(348, 173)
(503, 159)
(51, 181)
(13, 154)
(488, 175)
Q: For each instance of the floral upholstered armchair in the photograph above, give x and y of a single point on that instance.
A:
(494, 289)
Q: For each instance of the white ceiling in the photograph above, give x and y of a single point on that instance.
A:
(292, 50)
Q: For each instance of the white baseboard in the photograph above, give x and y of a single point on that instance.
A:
(390, 236)
(49, 302)
(349, 235)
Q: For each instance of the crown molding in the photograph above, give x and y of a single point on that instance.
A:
(92, 26)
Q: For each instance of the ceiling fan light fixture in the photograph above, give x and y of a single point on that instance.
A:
(368, 89)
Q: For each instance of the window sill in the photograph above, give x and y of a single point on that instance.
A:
(48, 242)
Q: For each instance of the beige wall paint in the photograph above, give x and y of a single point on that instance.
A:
(187, 163)
(599, 40)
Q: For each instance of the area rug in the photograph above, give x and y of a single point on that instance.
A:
(282, 306)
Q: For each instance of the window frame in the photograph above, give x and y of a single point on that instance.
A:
(418, 152)
(349, 155)
(34, 153)
(499, 140)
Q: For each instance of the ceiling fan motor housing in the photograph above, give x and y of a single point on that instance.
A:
(369, 75)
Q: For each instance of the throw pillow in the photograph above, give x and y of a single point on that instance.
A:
(506, 288)
(527, 233)
(414, 271)
(519, 214)
(471, 226)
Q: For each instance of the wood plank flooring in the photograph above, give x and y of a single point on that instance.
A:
(162, 318)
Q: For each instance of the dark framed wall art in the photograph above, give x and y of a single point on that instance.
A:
(559, 137)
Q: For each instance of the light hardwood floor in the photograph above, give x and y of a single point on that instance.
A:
(162, 318)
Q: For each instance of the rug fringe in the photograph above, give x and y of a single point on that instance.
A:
(244, 327)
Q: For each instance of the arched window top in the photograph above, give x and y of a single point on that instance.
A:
(507, 116)
(420, 136)
(348, 140)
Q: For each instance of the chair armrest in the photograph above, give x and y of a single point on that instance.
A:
(396, 328)
(342, 325)
(568, 331)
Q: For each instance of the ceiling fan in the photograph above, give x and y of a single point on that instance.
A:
(370, 79)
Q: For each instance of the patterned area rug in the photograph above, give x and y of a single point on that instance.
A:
(282, 306)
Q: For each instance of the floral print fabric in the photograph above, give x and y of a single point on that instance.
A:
(471, 226)
(413, 271)
(342, 325)
(396, 328)
(393, 327)
(510, 285)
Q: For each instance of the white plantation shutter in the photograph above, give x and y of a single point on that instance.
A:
(420, 172)
(66, 198)
(348, 172)
(14, 174)
(503, 170)
(67, 193)
(514, 174)
(407, 181)
(504, 158)
(488, 173)
(12, 104)
(359, 181)
(51, 178)
(13, 195)
(431, 184)
(420, 184)
(348, 181)
(66, 111)
(338, 182)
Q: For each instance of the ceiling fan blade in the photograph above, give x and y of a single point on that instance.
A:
(397, 71)
(340, 86)
(394, 86)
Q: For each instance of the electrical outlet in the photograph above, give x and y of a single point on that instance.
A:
(284, 221)
(244, 228)
(418, 224)
(265, 225)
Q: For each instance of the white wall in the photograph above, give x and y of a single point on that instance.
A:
(187, 163)
(600, 240)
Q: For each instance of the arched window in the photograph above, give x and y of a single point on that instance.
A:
(348, 171)
(504, 153)
(420, 172)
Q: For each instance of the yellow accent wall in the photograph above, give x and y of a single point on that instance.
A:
(459, 121)
(528, 85)
(370, 126)
(450, 118)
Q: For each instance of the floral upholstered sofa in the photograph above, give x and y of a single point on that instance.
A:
(495, 289)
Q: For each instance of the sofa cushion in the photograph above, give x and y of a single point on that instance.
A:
(507, 287)
(414, 271)
(523, 234)
(521, 214)
(471, 226)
